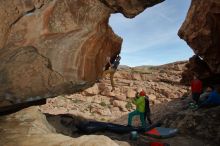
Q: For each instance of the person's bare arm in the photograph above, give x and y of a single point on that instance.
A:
(108, 61)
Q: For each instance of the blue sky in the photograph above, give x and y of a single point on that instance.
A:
(151, 37)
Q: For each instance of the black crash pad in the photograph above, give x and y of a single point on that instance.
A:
(94, 126)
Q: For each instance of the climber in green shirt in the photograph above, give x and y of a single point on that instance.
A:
(139, 101)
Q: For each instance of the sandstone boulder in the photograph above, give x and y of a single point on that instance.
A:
(48, 48)
(130, 8)
(131, 93)
(29, 127)
(152, 97)
(120, 104)
(107, 92)
(202, 123)
(120, 97)
(94, 90)
(136, 76)
(201, 32)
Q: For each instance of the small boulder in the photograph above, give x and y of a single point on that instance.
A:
(94, 90)
(152, 98)
(131, 93)
(121, 97)
(120, 104)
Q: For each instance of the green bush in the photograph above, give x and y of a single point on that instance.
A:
(128, 105)
(103, 104)
(75, 100)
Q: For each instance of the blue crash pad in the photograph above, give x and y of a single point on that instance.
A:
(161, 132)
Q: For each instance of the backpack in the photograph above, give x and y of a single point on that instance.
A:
(147, 106)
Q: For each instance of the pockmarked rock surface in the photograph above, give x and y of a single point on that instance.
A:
(201, 32)
(29, 127)
(50, 47)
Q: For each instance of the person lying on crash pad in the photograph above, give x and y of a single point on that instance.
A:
(139, 101)
(213, 99)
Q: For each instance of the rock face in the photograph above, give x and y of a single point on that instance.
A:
(49, 47)
(198, 67)
(201, 31)
(29, 127)
(203, 123)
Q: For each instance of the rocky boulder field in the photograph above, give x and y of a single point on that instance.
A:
(168, 100)
(161, 84)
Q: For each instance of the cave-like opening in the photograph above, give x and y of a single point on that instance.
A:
(151, 37)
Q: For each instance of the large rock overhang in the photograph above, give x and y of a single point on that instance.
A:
(52, 47)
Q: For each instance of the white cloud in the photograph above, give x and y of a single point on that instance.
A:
(149, 42)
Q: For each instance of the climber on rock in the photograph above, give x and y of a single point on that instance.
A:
(111, 68)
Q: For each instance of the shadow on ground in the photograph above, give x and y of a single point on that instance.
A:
(65, 124)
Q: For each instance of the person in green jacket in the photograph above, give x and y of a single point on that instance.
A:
(139, 101)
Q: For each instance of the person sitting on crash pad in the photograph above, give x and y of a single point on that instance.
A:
(205, 94)
(213, 99)
(139, 101)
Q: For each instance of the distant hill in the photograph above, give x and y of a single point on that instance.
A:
(124, 67)
(149, 68)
